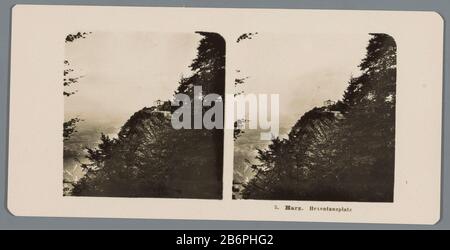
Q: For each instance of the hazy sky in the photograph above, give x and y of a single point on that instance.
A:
(305, 70)
(124, 72)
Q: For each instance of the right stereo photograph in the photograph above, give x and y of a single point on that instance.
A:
(337, 117)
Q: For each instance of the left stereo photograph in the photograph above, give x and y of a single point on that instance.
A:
(118, 135)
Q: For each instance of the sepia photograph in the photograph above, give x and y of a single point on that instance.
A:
(118, 136)
(337, 107)
(226, 114)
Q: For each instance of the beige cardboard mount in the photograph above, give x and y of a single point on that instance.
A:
(36, 111)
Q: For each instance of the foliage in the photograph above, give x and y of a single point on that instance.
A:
(70, 128)
(79, 35)
(69, 80)
(246, 36)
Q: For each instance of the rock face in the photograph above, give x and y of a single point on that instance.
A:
(151, 159)
(288, 164)
(189, 157)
